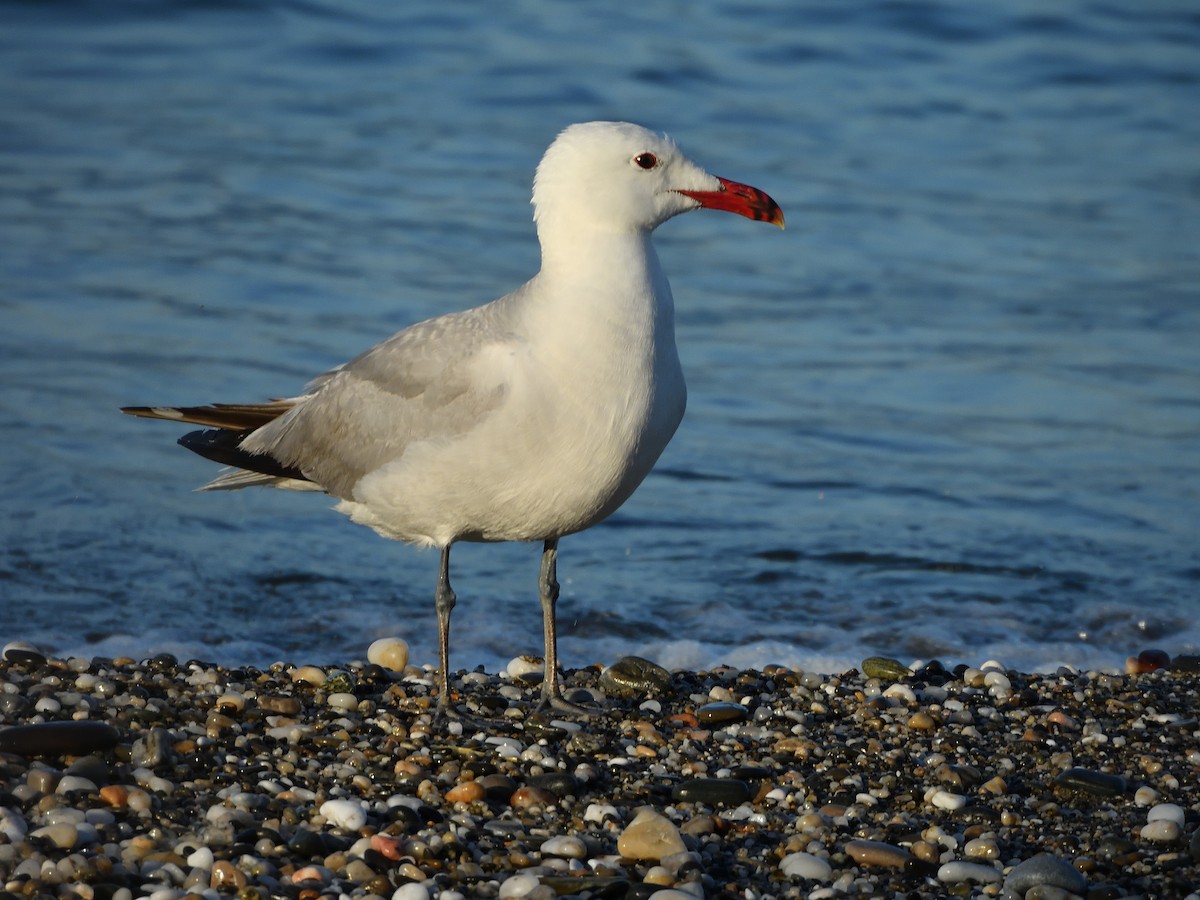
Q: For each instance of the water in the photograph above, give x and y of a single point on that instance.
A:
(953, 411)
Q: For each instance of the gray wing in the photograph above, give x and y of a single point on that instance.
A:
(433, 381)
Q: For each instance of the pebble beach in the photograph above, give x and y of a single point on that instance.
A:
(168, 779)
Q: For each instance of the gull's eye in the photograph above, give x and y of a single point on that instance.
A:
(645, 160)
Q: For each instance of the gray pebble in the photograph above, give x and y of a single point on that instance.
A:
(1088, 781)
(633, 676)
(722, 713)
(1045, 870)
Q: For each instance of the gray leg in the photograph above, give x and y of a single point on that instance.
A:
(444, 600)
(548, 589)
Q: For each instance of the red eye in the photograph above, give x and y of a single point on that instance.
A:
(646, 160)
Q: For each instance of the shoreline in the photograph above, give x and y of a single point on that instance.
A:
(174, 779)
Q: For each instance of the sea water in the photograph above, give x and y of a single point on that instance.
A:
(953, 411)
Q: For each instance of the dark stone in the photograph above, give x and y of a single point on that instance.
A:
(1088, 781)
(722, 713)
(90, 767)
(712, 791)
(601, 887)
(560, 784)
(497, 787)
(26, 657)
(13, 706)
(74, 738)
(633, 676)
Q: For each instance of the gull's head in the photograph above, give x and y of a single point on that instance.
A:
(614, 176)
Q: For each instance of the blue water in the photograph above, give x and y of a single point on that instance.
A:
(954, 410)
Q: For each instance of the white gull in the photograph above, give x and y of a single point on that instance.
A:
(526, 419)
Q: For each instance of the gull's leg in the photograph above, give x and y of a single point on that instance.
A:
(444, 600)
(548, 588)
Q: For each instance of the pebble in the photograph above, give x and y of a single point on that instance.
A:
(975, 873)
(633, 676)
(565, 846)
(23, 653)
(1172, 812)
(712, 791)
(467, 792)
(414, 890)
(348, 814)
(805, 865)
(390, 653)
(650, 835)
(878, 853)
(1045, 870)
(518, 886)
(885, 669)
(1161, 831)
(721, 713)
(1088, 781)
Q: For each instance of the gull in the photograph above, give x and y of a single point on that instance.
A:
(528, 418)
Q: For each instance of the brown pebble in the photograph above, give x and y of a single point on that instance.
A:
(281, 705)
(878, 854)
(925, 851)
(1147, 661)
(226, 874)
(526, 796)
(921, 721)
(466, 792)
(116, 795)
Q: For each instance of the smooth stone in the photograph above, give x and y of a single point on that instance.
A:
(975, 873)
(527, 796)
(414, 890)
(722, 713)
(1161, 831)
(1047, 870)
(633, 675)
(565, 846)
(560, 784)
(390, 653)
(497, 786)
(71, 783)
(946, 800)
(650, 835)
(1088, 781)
(877, 853)
(712, 791)
(467, 792)
(280, 704)
(885, 668)
(517, 886)
(75, 738)
(23, 653)
(343, 700)
(348, 814)
(1164, 812)
(63, 836)
(522, 667)
(805, 865)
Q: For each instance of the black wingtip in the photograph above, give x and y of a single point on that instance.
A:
(222, 446)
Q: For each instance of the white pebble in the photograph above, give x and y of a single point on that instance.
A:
(70, 783)
(901, 692)
(348, 814)
(598, 812)
(344, 701)
(566, 846)
(946, 800)
(524, 665)
(1161, 830)
(805, 865)
(518, 886)
(414, 890)
(1169, 812)
(977, 873)
(390, 652)
(1145, 796)
(201, 858)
